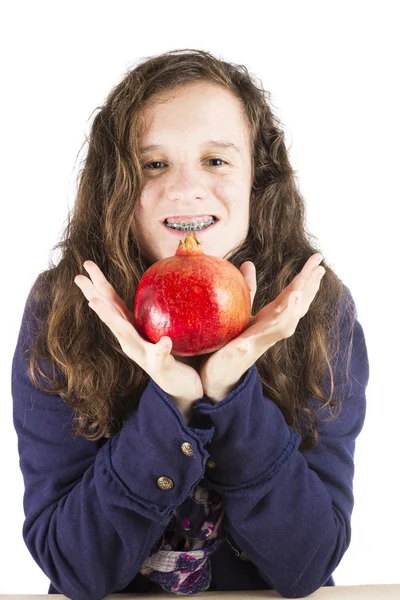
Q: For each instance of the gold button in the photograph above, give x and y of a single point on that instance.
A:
(165, 483)
(187, 448)
(244, 557)
(211, 464)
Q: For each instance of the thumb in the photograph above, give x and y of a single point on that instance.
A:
(164, 345)
(248, 270)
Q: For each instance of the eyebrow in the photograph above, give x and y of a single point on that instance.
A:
(214, 143)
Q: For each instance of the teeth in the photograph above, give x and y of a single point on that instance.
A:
(192, 221)
(192, 226)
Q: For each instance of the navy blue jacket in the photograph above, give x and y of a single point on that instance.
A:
(94, 511)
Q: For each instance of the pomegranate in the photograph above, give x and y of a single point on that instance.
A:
(200, 301)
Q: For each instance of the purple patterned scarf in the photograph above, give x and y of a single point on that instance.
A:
(182, 564)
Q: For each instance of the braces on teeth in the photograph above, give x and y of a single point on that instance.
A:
(190, 226)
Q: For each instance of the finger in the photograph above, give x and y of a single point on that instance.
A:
(306, 272)
(131, 342)
(301, 281)
(87, 287)
(311, 287)
(163, 346)
(315, 282)
(105, 287)
(300, 300)
(288, 313)
(289, 316)
(98, 286)
(91, 293)
(109, 315)
(310, 269)
(248, 270)
(312, 262)
(317, 276)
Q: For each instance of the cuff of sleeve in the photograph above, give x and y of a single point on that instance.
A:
(156, 458)
(251, 437)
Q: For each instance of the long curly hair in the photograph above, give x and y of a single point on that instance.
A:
(83, 361)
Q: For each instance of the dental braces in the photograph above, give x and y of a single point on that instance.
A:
(185, 227)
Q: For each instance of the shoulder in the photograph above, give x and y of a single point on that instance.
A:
(350, 369)
(34, 316)
(353, 345)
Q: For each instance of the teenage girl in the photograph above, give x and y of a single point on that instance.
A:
(146, 471)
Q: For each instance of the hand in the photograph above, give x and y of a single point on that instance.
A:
(221, 371)
(178, 380)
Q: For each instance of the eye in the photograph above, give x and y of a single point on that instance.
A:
(220, 159)
(158, 162)
(155, 162)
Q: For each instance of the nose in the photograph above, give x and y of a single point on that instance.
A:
(185, 183)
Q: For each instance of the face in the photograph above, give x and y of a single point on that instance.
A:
(187, 176)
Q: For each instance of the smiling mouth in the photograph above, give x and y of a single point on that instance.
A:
(190, 226)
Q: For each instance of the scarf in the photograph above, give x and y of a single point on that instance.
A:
(182, 563)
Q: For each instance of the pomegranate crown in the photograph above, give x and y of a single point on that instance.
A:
(190, 246)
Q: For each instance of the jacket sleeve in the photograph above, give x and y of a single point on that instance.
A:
(94, 510)
(288, 510)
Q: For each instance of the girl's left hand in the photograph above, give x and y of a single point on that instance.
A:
(222, 370)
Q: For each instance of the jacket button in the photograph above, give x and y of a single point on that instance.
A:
(211, 464)
(165, 483)
(187, 449)
(244, 557)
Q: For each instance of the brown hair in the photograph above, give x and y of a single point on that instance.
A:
(89, 369)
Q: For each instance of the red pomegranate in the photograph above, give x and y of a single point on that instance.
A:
(200, 301)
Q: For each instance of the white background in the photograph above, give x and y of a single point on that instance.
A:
(332, 70)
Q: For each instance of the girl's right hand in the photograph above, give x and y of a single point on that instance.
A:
(178, 380)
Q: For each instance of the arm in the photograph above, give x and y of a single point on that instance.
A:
(288, 510)
(94, 510)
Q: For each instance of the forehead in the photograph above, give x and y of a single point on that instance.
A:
(204, 108)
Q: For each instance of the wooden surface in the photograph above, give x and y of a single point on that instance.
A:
(353, 592)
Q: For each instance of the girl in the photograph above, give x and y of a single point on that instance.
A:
(147, 472)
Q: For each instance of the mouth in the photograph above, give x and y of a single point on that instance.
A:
(200, 229)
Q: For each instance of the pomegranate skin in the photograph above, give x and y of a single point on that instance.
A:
(200, 301)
